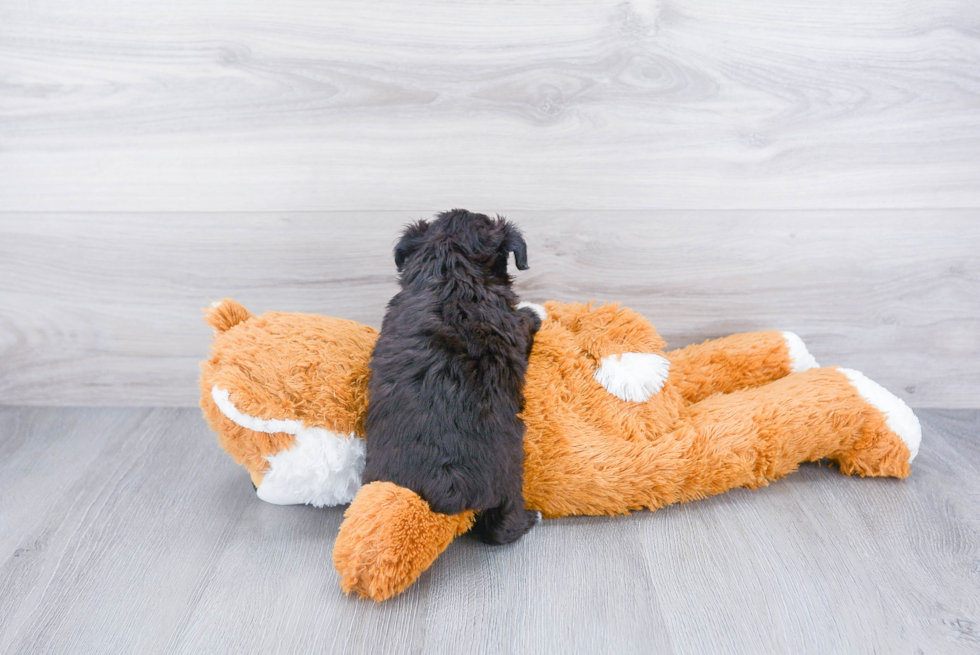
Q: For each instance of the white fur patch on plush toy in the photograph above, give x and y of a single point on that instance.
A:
(898, 416)
(633, 377)
(321, 469)
(537, 309)
(798, 354)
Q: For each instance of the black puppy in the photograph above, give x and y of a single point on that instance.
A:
(447, 374)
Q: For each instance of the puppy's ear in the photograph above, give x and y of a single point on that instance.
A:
(513, 242)
(411, 240)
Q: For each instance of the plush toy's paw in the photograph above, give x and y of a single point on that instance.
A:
(389, 537)
(633, 376)
(898, 416)
(799, 356)
(321, 468)
(537, 309)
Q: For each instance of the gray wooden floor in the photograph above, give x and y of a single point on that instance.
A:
(128, 530)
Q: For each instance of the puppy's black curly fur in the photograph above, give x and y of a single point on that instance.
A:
(447, 374)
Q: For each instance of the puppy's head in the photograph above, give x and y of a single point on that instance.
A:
(459, 234)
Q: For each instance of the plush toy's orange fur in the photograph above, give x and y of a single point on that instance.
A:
(284, 366)
(390, 536)
(729, 414)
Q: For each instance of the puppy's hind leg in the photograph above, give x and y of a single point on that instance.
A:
(506, 522)
(530, 321)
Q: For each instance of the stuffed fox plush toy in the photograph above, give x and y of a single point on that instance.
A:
(614, 424)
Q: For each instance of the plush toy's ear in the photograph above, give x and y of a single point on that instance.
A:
(410, 242)
(513, 242)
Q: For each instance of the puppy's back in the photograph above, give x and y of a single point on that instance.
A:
(447, 371)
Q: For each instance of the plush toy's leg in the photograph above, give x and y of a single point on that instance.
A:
(899, 420)
(750, 437)
(389, 537)
(740, 361)
(745, 438)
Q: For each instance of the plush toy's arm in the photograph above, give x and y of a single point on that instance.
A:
(605, 330)
(740, 361)
(625, 349)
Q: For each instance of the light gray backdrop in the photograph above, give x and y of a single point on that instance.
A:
(719, 167)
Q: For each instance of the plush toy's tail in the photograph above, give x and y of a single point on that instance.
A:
(225, 314)
(389, 537)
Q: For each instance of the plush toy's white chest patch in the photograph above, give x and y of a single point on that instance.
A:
(633, 377)
(321, 469)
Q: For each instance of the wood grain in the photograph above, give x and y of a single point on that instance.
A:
(105, 309)
(128, 530)
(559, 104)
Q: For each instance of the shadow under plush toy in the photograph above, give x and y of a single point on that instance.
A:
(614, 424)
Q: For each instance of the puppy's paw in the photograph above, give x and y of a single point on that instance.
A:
(532, 321)
(497, 528)
(541, 312)
(633, 377)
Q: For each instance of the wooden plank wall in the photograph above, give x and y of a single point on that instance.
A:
(718, 166)
(184, 105)
(105, 309)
